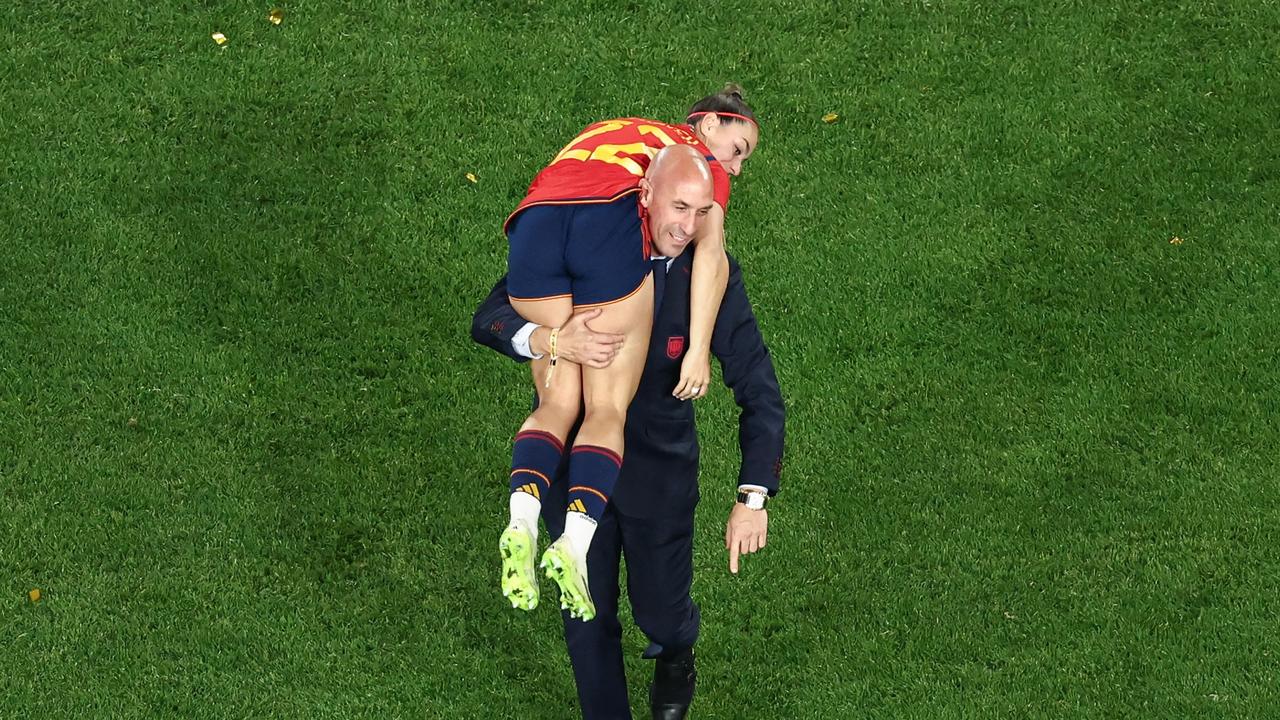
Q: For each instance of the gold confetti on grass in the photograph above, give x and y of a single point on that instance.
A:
(276, 16)
(220, 39)
(1175, 240)
(34, 595)
(472, 177)
(830, 118)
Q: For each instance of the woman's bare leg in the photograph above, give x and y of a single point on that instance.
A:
(560, 401)
(536, 453)
(597, 452)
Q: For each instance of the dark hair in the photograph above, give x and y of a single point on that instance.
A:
(728, 100)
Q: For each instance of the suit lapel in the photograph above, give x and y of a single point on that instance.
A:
(659, 285)
(679, 274)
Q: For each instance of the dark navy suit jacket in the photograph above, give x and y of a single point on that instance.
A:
(660, 466)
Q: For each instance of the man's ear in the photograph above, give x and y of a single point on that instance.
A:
(646, 192)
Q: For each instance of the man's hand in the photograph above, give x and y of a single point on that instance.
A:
(578, 343)
(695, 376)
(745, 533)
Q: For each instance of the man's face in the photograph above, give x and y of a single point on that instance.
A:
(676, 211)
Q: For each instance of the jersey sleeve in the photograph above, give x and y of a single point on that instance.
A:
(720, 179)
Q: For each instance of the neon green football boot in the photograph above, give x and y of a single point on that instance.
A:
(519, 579)
(569, 571)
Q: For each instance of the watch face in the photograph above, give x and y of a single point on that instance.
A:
(754, 501)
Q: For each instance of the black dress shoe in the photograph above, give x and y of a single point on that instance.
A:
(672, 690)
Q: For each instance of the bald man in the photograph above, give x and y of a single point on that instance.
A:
(650, 517)
(677, 192)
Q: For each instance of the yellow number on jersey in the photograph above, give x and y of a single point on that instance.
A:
(570, 152)
(614, 154)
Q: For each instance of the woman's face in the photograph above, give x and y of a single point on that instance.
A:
(730, 142)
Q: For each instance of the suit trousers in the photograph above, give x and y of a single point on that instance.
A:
(659, 558)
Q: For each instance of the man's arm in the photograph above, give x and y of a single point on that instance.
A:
(748, 371)
(498, 326)
(495, 323)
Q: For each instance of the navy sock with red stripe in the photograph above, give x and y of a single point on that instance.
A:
(535, 457)
(593, 471)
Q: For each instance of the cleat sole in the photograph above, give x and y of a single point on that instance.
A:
(574, 593)
(519, 580)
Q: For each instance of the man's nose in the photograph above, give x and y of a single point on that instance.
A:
(735, 168)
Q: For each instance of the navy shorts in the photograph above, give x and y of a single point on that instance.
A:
(593, 252)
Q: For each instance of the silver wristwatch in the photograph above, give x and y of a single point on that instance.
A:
(753, 499)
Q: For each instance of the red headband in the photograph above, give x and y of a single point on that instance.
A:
(725, 114)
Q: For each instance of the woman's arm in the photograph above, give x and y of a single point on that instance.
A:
(710, 276)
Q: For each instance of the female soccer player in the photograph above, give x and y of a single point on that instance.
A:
(579, 240)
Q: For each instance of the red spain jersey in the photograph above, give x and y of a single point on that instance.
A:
(608, 160)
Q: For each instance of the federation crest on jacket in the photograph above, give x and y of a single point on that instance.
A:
(675, 346)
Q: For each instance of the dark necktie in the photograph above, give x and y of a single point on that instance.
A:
(659, 283)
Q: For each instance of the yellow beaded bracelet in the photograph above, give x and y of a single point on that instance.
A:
(551, 367)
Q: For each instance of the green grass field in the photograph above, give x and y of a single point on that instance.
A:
(257, 468)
